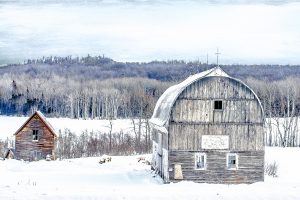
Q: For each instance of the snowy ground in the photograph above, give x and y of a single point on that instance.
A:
(125, 178)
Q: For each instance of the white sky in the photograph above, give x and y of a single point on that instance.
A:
(244, 33)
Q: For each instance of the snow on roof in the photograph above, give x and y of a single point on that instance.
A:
(43, 118)
(165, 103)
(162, 110)
(40, 114)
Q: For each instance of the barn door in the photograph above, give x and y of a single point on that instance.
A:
(160, 164)
(160, 161)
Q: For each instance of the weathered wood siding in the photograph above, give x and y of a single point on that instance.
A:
(242, 137)
(196, 102)
(160, 154)
(193, 115)
(160, 138)
(25, 146)
(250, 169)
(241, 119)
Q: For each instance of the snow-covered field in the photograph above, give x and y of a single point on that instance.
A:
(9, 125)
(126, 178)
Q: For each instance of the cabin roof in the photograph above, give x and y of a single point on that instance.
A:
(165, 103)
(43, 119)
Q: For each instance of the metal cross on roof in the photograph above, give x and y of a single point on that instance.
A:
(218, 53)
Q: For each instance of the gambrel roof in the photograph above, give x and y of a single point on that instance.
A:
(43, 119)
(165, 103)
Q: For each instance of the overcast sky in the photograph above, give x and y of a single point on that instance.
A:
(244, 32)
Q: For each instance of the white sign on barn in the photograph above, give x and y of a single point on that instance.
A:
(215, 141)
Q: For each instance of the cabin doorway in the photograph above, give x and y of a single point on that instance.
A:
(35, 155)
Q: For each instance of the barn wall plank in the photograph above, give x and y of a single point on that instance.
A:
(250, 168)
(241, 119)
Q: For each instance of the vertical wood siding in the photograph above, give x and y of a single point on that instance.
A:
(242, 137)
(193, 116)
(197, 104)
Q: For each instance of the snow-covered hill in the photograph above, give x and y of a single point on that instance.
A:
(126, 178)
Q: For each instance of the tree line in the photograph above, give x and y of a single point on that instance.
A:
(100, 88)
(95, 99)
(101, 67)
(88, 144)
(281, 102)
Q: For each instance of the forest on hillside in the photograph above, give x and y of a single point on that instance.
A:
(100, 88)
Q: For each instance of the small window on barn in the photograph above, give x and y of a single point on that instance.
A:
(218, 105)
(35, 135)
(232, 161)
(200, 161)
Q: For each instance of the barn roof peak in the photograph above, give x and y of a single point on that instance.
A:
(164, 104)
(217, 71)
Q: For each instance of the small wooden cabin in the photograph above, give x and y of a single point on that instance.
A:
(209, 128)
(35, 139)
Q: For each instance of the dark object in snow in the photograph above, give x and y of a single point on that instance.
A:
(209, 128)
(271, 169)
(35, 139)
(105, 159)
(9, 154)
(144, 160)
(141, 159)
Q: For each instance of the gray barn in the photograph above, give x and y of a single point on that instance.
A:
(209, 128)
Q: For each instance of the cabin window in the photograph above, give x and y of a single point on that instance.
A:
(35, 134)
(232, 161)
(200, 161)
(218, 105)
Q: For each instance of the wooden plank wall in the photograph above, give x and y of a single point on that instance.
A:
(201, 110)
(164, 137)
(250, 169)
(24, 145)
(241, 118)
(193, 115)
(242, 137)
(197, 104)
(217, 87)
